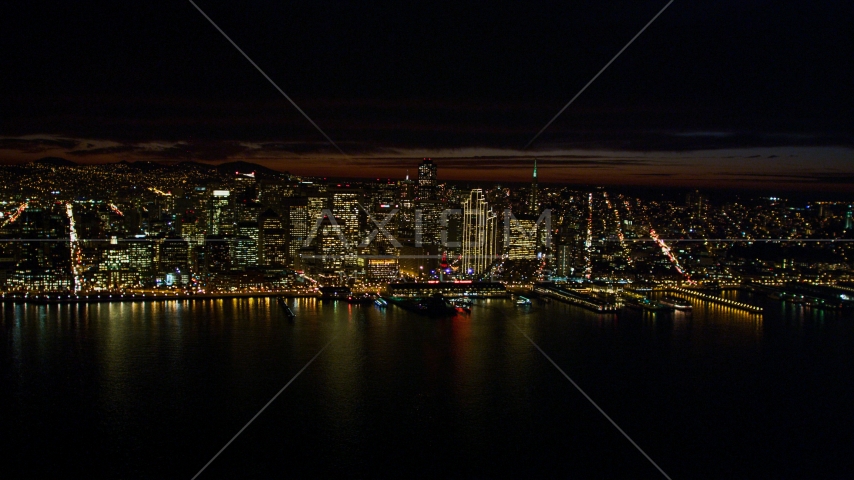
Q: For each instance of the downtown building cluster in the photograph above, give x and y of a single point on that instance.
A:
(241, 228)
(122, 227)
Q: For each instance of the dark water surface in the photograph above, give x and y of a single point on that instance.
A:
(154, 390)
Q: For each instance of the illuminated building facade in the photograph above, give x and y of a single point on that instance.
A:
(479, 235)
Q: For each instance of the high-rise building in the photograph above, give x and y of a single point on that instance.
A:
(534, 200)
(406, 201)
(427, 180)
(174, 255)
(217, 255)
(141, 256)
(564, 261)
(331, 246)
(273, 240)
(345, 207)
(221, 220)
(479, 235)
(428, 222)
(245, 187)
(299, 224)
(523, 239)
(173, 263)
(243, 252)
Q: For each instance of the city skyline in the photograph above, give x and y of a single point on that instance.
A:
(119, 227)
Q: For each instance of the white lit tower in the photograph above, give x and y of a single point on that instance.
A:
(479, 234)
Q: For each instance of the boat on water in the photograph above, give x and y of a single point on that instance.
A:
(436, 305)
(677, 303)
(360, 299)
(647, 304)
(380, 302)
(462, 303)
(523, 301)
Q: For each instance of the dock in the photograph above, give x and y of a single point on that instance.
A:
(709, 297)
(597, 303)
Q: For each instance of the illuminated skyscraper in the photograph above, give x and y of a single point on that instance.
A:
(427, 180)
(479, 234)
(345, 206)
(273, 241)
(331, 245)
(221, 220)
(299, 223)
(406, 198)
(522, 241)
(534, 201)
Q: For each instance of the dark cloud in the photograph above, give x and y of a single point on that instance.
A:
(202, 150)
(508, 162)
(36, 145)
(103, 150)
(823, 178)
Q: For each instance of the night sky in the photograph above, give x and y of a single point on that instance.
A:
(727, 93)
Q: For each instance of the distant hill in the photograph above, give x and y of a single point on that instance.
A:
(187, 164)
(141, 166)
(246, 167)
(54, 162)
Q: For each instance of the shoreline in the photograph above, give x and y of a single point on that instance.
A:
(66, 299)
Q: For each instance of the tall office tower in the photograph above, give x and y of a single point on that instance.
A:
(565, 260)
(316, 203)
(221, 219)
(298, 223)
(194, 215)
(406, 200)
(849, 219)
(329, 247)
(534, 201)
(427, 180)
(572, 228)
(345, 206)
(273, 240)
(251, 231)
(479, 234)
(428, 222)
(524, 236)
(384, 244)
(245, 187)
